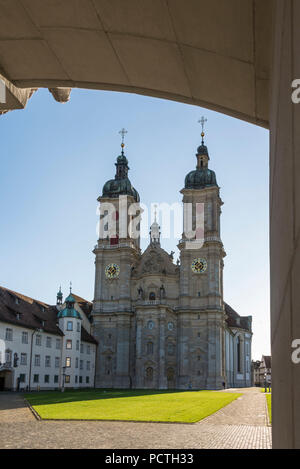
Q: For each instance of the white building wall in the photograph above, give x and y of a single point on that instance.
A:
(16, 346)
(53, 368)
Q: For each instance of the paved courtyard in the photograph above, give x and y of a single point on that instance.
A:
(241, 424)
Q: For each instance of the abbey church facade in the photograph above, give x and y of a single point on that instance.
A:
(159, 324)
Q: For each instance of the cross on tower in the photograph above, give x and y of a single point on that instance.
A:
(123, 132)
(202, 121)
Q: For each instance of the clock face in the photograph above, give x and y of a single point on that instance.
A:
(112, 271)
(199, 266)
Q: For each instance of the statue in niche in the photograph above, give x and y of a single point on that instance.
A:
(141, 293)
(162, 292)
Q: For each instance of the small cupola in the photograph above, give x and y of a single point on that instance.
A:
(69, 311)
(59, 297)
(155, 232)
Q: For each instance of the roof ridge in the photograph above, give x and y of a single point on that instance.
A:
(28, 299)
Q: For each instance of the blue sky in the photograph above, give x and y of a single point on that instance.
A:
(55, 159)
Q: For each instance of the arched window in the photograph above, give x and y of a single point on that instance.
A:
(149, 348)
(152, 296)
(149, 374)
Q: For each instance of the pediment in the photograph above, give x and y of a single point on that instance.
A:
(155, 261)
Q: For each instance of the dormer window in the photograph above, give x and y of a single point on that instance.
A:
(17, 301)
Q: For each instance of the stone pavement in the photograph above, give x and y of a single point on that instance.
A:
(241, 424)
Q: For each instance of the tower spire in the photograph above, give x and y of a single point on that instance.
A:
(59, 297)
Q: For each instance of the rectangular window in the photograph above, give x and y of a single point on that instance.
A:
(78, 327)
(57, 360)
(9, 334)
(77, 344)
(38, 340)
(57, 344)
(88, 365)
(69, 326)
(37, 360)
(46, 379)
(8, 357)
(88, 350)
(23, 358)
(87, 379)
(22, 378)
(76, 379)
(81, 348)
(80, 379)
(55, 378)
(76, 362)
(68, 362)
(35, 378)
(47, 361)
(67, 378)
(69, 344)
(48, 342)
(81, 364)
(24, 337)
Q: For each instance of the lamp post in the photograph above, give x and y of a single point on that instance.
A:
(63, 379)
(265, 377)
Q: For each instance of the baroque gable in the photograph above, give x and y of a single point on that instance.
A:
(155, 260)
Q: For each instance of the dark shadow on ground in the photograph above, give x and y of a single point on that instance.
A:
(11, 400)
(57, 397)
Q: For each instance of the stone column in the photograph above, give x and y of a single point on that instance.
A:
(183, 351)
(162, 379)
(285, 224)
(122, 379)
(214, 356)
(139, 372)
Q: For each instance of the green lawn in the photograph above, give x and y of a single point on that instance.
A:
(269, 400)
(140, 405)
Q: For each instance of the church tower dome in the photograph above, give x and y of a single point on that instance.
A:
(202, 176)
(121, 184)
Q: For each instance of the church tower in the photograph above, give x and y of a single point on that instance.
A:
(201, 316)
(116, 253)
